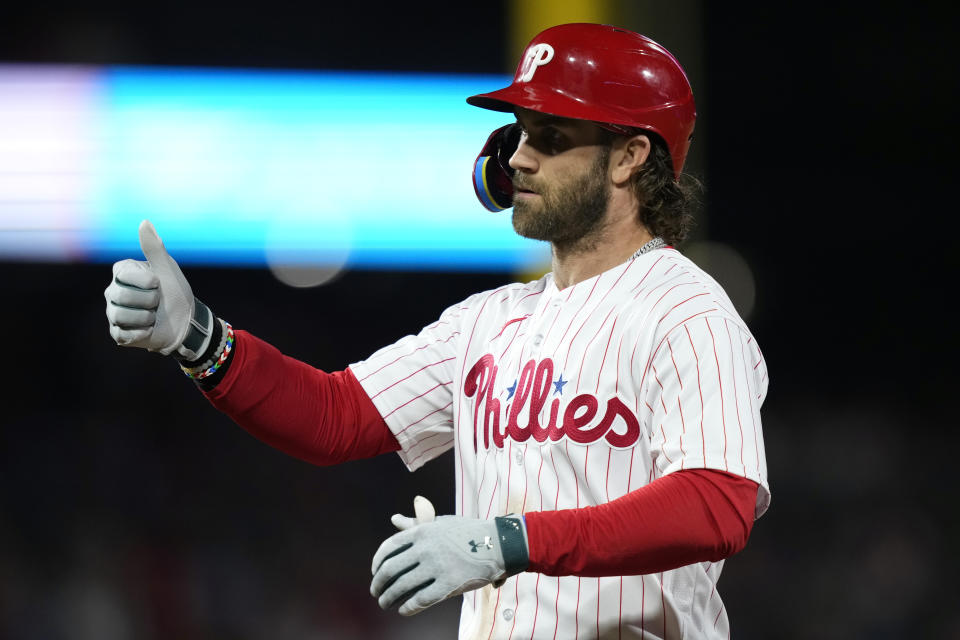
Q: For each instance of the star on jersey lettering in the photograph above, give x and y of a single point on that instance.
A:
(511, 390)
(558, 384)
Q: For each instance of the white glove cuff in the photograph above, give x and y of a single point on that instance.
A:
(197, 340)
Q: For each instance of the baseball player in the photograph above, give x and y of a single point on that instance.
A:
(604, 419)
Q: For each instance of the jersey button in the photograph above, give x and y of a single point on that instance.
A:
(508, 614)
(537, 339)
(518, 457)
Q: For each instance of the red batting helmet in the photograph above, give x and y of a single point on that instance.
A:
(604, 74)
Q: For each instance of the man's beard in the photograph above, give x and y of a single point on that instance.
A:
(564, 214)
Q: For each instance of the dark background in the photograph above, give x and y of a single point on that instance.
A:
(129, 508)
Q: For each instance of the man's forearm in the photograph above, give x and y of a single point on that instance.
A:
(323, 418)
(685, 517)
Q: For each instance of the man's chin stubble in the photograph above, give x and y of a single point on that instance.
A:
(582, 241)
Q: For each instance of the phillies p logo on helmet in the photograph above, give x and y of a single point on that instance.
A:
(537, 56)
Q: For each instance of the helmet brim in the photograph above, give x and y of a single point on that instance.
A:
(556, 103)
(536, 98)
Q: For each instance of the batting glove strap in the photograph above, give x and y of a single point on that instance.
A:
(197, 339)
(513, 545)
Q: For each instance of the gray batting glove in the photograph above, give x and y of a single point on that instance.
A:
(434, 559)
(150, 304)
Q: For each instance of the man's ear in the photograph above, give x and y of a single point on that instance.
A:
(628, 156)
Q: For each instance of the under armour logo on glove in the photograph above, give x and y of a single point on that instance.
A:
(486, 544)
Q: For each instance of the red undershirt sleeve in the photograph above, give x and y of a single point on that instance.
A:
(322, 418)
(685, 517)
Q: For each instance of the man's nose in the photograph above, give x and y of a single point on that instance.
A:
(524, 158)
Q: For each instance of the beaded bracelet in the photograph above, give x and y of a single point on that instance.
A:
(219, 334)
(200, 373)
(220, 331)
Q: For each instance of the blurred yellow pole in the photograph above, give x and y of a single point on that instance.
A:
(530, 17)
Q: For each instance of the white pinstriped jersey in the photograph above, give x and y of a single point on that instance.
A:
(556, 399)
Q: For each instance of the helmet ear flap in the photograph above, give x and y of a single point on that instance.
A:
(492, 174)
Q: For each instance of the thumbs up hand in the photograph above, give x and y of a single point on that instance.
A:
(150, 304)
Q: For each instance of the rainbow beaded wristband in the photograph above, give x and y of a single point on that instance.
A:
(220, 331)
(200, 373)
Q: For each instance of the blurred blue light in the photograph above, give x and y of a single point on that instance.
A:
(237, 167)
(364, 170)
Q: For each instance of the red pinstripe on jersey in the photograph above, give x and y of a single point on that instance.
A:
(606, 484)
(700, 411)
(649, 271)
(552, 325)
(664, 434)
(509, 466)
(556, 611)
(574, 317)
(493, 494)
(436, 386)
(663, 606)
(643, 611)
(620, 611)
(594, 337)
(536, 606)
(399, 358)
(444, 442)
(496, 606)
(733, 375)
(600, 302)
(598, 607)
(723, 412)
(644, 335)
(483, 477)
(515, 605)
(510, 344)
(679, 325)
(756, 447)
(523, 506)
(418, 421)
(656, 377)
(399, 380)
(603, 361)
(673, 360)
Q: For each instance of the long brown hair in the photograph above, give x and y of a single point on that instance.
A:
(667, 204)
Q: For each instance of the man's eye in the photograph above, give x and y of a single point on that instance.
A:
(554, 141)
(547, 140)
